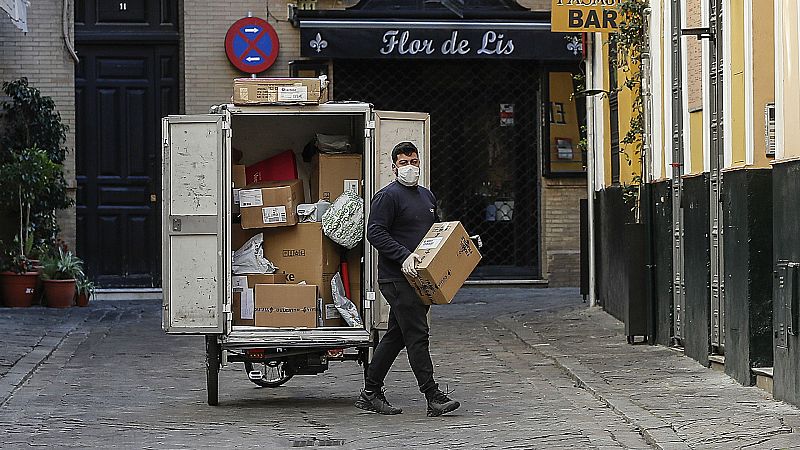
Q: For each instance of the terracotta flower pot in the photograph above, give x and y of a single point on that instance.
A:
(82, 300)
(59, 293)
(17, 289)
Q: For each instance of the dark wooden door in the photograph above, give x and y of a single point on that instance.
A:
(121, 93)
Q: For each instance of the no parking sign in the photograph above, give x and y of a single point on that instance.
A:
(251, 45)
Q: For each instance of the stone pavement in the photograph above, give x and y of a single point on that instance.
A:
(533, 368)
(672, 400)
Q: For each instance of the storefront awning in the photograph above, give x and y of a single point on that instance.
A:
(378, 38)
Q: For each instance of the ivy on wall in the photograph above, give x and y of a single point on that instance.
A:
(631, 43)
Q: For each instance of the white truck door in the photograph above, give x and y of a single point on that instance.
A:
(195, 204)
(391, 128)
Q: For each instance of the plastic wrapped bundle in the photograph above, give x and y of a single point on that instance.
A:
(346, 308)
(343, 222)
(250, 257)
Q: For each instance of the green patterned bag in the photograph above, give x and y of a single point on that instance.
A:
(343, 222)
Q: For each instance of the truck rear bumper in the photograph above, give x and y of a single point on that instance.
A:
(248, 337)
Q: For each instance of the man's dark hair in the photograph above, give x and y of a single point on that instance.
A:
(406, 148)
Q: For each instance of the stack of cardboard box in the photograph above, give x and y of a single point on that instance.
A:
(300, 251)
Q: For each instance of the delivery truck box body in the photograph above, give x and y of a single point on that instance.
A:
(198, 225)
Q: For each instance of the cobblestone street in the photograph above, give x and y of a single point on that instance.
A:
(532, 368)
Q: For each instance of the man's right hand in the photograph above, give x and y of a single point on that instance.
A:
(410, 264)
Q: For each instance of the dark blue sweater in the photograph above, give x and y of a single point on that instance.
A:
(399, 218)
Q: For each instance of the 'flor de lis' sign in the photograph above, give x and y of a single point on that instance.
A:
(318, 43)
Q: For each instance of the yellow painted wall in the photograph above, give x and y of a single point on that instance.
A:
(737, 84)
(630, 163)
(763, 74)
(564, 126)
(696, 143)
(791, 80)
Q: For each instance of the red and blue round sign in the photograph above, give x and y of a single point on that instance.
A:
(251, 45)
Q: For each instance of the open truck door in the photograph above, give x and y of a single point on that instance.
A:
(391, 128)
(195, 203)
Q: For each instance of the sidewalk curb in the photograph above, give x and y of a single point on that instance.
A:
(655, 431)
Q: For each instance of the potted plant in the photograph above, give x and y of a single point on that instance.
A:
(25, 177)
(60, 274)
(17, 280)
(85, 291)
(32, 151)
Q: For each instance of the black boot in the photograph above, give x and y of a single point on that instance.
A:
(376, 402)
(439, 403)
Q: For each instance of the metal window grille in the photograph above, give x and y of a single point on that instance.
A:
(483, 165)
(769, 128)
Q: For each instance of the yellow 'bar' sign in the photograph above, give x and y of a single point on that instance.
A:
(584, 15)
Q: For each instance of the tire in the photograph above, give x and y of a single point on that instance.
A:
(275, 374)
(213, 357)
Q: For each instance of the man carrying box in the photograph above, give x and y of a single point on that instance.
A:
(400, 216)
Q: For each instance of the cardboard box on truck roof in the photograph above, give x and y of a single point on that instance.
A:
(264, 91)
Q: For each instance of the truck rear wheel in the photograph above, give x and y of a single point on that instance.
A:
(213, 359)
(273, 373)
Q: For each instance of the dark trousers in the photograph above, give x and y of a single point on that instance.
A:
(408, 327)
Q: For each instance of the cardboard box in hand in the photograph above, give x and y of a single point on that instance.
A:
(448, 258)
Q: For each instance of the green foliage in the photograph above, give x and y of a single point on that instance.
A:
(631, 43)
(85, 286)
(29, 121)
(26, 177)
(11, 261)
(64, 266)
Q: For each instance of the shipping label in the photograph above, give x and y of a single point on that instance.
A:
(292, 93)
(248, 304)
(331, 312)
(430, 243)
(274, 214)
(250, 197)
(239, 282)
(351, 185)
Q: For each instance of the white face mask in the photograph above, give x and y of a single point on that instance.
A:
(408, 175)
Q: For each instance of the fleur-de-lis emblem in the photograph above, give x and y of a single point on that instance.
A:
(318, 44)
(574, 45)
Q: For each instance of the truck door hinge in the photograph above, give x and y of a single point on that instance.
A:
(226, 127)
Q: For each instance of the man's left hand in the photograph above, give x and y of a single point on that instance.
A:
(410, 264)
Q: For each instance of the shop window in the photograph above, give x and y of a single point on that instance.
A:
(566, 130)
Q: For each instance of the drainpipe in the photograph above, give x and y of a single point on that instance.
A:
(590, 175)
(646, 187)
